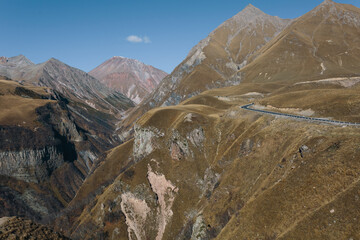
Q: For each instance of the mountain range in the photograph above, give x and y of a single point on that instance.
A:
(253, 136)
(71, 82)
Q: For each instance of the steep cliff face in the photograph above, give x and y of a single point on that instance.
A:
(131, 77)
(49, 145)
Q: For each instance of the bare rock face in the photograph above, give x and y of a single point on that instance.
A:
(132, 78)
(30, 165)
(3, 60)
(40, 151)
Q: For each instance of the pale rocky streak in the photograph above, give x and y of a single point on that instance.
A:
(166, 193)
(199, 229)
(136, 211)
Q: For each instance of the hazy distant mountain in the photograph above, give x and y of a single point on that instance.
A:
(71, 82)
(131, 77)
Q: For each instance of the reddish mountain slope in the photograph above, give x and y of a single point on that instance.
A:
(132, 78)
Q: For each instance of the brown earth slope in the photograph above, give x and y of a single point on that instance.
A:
(208, 169)
(323, 43)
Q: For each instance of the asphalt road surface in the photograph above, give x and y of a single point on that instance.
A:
(247, 107)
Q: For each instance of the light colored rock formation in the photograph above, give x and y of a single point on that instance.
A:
(166, 193)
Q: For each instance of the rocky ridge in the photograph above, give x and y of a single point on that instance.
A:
(70, 82)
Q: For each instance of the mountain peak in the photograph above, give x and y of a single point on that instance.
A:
(252, 14)
(53, 61)
(20, 60)
(328, 2)
(348, 14)
(117, 57)
(131, 77)
(124, 60)
(251, 9)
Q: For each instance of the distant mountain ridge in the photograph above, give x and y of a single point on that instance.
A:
(131, 77)
(71, 82)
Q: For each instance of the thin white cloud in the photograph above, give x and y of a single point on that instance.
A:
(146, 39)
(137, 39)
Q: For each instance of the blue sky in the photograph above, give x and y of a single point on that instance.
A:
(84, 33)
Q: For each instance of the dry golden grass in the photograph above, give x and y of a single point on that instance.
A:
(267, 190)
(263, 187)
(19, 111)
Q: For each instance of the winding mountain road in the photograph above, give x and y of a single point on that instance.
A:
(247, 107)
